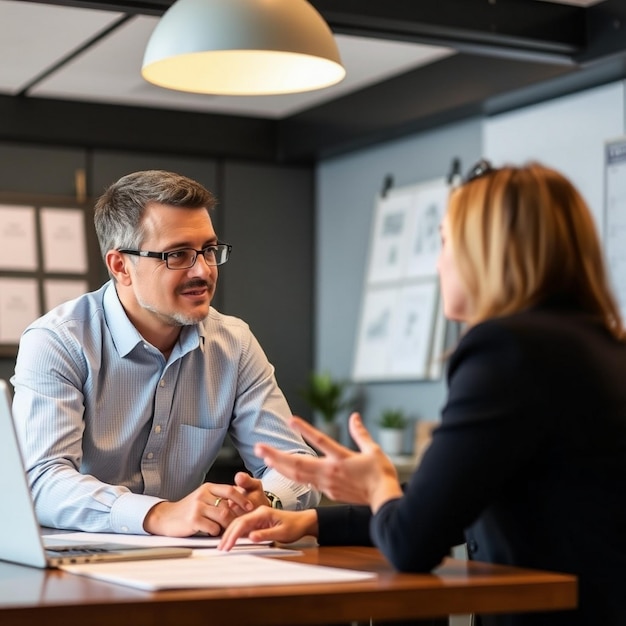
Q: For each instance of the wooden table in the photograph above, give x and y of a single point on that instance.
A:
(56, 598)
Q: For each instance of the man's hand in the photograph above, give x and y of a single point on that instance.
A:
(252, 489)
(209, 509)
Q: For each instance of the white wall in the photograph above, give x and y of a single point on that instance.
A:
(567, 134)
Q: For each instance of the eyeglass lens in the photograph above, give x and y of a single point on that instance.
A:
(186, 257)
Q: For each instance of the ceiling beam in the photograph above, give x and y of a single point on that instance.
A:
(605, 25)
(533, 30)
(106, 126)
(520, 28)
(448, 90)
(511, 28)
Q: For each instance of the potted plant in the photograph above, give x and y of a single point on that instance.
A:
(327, 398)
(391, 427)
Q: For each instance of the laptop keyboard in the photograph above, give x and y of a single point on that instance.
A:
(77, 550)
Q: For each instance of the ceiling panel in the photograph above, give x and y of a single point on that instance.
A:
(35, 37)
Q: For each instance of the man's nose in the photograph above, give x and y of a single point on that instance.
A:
(201, 267)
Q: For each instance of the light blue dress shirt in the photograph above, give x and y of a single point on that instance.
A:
(108, 427)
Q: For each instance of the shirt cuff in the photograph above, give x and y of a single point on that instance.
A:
(129, 511)
(293, 496)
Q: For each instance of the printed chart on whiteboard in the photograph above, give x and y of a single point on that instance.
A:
(401, 327)
(615, 217)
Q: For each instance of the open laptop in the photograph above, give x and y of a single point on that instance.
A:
(20, 536)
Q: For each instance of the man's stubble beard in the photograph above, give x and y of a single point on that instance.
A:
(175, 319)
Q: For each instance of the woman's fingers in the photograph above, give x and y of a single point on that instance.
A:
(360, 434)
(325, 444)
(301, 468)
(243, 525)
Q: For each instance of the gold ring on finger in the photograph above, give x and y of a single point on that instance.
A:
(217, 501)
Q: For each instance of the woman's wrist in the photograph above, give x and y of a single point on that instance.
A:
(311, 522)
(386, 489)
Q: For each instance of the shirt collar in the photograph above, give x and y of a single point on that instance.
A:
(126, 337)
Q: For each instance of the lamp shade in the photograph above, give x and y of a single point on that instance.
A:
(242, 47)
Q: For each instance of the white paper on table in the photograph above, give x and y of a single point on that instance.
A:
(257, 549)
(150, 541)
(202, 546)
(237, 571)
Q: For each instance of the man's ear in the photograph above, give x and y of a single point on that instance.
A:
(117, 264)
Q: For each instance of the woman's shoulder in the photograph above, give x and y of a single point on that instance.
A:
(541, 334)
(510, 357)
(508, 327)
(539, 321)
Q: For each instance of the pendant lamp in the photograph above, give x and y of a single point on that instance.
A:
(242, 47)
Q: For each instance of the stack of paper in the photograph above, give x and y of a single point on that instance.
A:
(216, 570)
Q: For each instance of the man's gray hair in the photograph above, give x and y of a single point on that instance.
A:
(119, 211)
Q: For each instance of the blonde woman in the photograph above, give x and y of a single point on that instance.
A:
(528, 464)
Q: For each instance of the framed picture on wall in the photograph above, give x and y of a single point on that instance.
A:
(47, 257)
(56, 291)
(376, 333)
(430, 201)
(401, 324)
(390, 237)
(396, 333)
(63, 240)
(18, 238)
(19, 306)
(412, 332)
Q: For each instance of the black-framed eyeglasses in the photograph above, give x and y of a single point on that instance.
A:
(184, 258)
(481, 168)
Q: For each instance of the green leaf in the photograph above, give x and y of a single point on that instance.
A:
(325, 395)
(393, 418)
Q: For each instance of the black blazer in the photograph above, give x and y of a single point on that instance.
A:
(529, 462)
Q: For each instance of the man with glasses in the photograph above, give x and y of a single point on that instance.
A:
(124, 396)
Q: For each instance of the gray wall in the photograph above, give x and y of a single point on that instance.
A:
(346, 191)
(268, 217)
(264, 210)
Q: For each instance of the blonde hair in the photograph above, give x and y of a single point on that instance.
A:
(522, 235)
